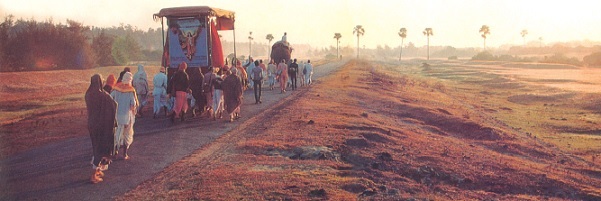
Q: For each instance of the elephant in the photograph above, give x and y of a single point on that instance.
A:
(281, 50)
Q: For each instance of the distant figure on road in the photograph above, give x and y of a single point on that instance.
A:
(179, 87)
(160, 92)
(241, 72)
(232, 94)
(196, 81)
(208, 89)
(140, 83)
(101, 123)
(282, 74)
(127, 103)
(264, 68)
(257, 77)
(249, 70)
(308, 73)
(292, 70)
(110, 82)
(301, 73)
(217, 94)
(271, 70)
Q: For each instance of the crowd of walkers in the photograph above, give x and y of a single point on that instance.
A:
(114, 106)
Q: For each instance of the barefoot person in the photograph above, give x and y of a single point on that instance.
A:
(271, 70)
(232, 94)
(208, 90)
(218, 94)
(180, 84)
(282, 74)
(308, 72)
(101, 125)
(127, 103)
(196, 81)
(140, 83)
(257, 77)
(159, 92)
(292, 69)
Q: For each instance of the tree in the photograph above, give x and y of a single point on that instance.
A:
(403, 35)
(359, 31)
(102, 45)
(250, 42)
(428, 32)
(524, 33)
(485, 30)
(269, 38)
(125, 49)
(337, 36)
(540, 39)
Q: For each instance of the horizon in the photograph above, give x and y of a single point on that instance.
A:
(455, 23)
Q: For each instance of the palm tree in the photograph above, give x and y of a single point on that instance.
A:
(250, 42)
(485, 30)
(524, 33)
(337, 36)
(428, 32)
(403, 35)
(359, 31)
(269, 37)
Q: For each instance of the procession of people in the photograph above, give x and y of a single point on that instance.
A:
(115, 104)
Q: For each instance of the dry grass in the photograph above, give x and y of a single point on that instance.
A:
(379, 140)
(42, 107)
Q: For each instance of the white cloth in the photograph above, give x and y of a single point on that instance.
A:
(217, 101)
(124, 135)
(160, 91)
(140, 81)
(125, 102)
(309, 74)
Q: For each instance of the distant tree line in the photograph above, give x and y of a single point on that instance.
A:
(29, 45)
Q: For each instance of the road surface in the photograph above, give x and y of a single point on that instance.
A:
(61, 171)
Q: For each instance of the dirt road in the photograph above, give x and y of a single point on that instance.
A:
(61, 171)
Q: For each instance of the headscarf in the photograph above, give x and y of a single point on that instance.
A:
(127, 78)
(126, 69)
(125, 85)
(140, 81)
(110, 83)
(141, 74)
(95, 85)
(110, 80)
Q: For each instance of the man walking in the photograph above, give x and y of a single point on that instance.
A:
(257, 77)
(308, 72)
(292, 69)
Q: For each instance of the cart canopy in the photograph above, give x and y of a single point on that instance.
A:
(224, 19)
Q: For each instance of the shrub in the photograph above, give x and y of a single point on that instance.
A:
(453, 58)
(593, 59)
(485, 56)
(561, 59)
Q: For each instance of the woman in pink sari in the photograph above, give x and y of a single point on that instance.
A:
(282, 74)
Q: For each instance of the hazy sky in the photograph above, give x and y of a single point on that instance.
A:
(454, 22)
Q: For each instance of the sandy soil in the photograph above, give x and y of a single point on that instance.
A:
(369, 132)
(39, 108)
(60, 169)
